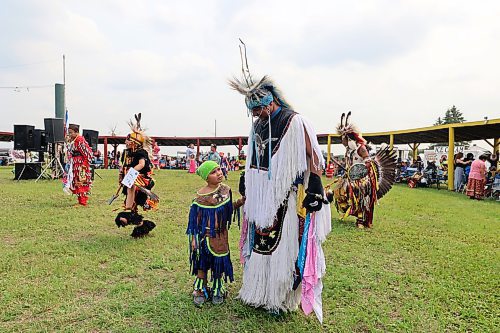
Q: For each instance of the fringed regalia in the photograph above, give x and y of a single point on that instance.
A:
(366, 179)
(130, 159)
(280, 244)
(141, 195)
(209, 221)
(79, 175)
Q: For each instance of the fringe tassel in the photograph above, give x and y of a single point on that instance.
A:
(264, 196)
(200, 218)
(268, 279)
(202, 259)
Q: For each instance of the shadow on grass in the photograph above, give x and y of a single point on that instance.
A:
(346, 224)
(96, 243)
(175, 311)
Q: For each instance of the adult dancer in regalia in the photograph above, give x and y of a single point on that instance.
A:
(286, 217)
(78, 178)
(367, 179)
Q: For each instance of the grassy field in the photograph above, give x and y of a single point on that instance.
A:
(431, 264)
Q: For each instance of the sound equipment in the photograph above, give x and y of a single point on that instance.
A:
(27, 170)
(92, 138)
(23, 137)
(54, 130)
(40, 141)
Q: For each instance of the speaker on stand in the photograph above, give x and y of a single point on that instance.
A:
(24, 137)
(54, 138)
(92, 138)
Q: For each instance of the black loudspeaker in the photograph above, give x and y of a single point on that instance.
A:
(54, 130)
(27, 170)
(40, 141)
(24, 137)
(92, 138)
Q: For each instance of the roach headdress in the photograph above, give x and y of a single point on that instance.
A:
(138, 136)
(348, 130)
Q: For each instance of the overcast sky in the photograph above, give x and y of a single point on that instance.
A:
(394, 64)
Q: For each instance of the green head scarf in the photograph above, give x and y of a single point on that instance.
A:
(206, 168)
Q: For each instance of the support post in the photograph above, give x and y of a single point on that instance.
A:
(496, 149)
(415, 151)
(240, 145)
(451, 162)
(492, 145)
(197, 148)
(105, 153)
(328, 150)
(391, 141)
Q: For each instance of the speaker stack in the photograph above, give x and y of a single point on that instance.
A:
(27, 170)
(24, 139)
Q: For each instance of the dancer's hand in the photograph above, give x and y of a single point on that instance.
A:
(314, 199)
(241, 185)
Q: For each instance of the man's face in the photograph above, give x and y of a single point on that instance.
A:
(344, 141)
(215, 177)
(213, 149)
(262, 112)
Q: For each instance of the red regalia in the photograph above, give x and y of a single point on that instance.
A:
(80, 175)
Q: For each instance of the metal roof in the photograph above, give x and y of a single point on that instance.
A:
(468, 131)
(475, 130)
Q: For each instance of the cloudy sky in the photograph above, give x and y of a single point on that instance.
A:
(394, 64)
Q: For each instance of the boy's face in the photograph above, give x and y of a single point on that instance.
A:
(215, 177)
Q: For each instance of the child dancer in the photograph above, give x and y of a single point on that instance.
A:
(209, 221)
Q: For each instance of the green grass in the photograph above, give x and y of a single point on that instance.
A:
(431, 264)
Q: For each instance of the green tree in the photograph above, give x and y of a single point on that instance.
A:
(439, 121)
(451, 116)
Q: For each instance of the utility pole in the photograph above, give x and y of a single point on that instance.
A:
(64, 82)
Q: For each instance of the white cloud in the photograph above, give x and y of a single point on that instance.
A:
(395, 65)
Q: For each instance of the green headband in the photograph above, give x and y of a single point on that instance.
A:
(206, 168)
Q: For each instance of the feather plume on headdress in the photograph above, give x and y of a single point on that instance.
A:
(345, 128)
(138, 136)
(260, 93)
(257, 94)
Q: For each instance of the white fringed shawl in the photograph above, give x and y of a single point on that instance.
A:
(264, 196)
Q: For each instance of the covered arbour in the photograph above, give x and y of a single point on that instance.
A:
(238, 141)
(451, 133)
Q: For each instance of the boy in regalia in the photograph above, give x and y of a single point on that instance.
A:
(209, 221)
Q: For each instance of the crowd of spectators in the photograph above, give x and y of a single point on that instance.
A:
(419, 174)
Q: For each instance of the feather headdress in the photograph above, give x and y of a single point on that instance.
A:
(261, 93)
(138, 136)
(257, 94)
(346, 127)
